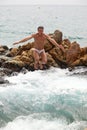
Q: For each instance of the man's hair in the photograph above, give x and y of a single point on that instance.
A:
(40, 27)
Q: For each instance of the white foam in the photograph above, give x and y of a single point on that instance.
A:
(52, 80)
(1, 104)
(28, 123)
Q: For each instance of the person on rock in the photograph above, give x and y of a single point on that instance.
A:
(38, 50)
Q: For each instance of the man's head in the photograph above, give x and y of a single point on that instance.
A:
(40, 29)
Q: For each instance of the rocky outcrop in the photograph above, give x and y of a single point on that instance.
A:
(15, 59)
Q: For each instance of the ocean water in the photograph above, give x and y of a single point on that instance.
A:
(54, 99)
(42, 100)
(17, 22)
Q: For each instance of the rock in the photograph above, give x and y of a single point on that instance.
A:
(73, 53)
(12, 52)
(83, 60)
(66, 44)
(14, 65)
(3, 49)
(58, 56)
(25, 47)
(5, 71)
(51, 61)
(58, 36)
(83, 51)
(3, 59)
(48, 46)
(3, 81)
(21, 58)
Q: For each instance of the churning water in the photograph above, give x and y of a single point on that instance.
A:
(52, 99)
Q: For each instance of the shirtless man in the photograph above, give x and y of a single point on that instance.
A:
(38, 50)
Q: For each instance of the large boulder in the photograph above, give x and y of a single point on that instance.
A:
(25, 47)
(73, 53)
(3, 49)
(58, 56)
(57, 35)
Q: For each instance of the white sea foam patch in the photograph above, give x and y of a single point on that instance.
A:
(52, 80)
(28, 123)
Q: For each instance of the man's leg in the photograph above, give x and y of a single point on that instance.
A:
(36, 60)
(43, 60)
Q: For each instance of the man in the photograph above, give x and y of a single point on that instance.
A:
(38, 50)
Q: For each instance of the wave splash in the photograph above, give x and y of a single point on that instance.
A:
(51, 99)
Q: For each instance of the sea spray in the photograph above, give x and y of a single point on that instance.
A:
(52, 97)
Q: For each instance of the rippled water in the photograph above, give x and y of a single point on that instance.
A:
(16, 22)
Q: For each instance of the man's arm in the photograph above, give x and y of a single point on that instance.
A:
(55, 43)
(24, 40)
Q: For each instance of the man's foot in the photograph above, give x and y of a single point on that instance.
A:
(41, 66)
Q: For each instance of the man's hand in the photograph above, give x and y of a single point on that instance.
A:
(15, 43)
(62, 48)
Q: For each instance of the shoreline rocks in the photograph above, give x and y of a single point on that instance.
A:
(15, 59)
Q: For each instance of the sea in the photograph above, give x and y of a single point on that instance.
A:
(54, 99)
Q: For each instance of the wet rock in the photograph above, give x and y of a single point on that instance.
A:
(5, 71)
(14, 65)
(3, 59)
(24, 70)
(3, 81)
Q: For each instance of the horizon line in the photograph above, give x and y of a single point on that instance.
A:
(48, 4)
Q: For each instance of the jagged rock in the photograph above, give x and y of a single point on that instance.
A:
(12, 52)
(25, 47)
(58, 56)
(73, 53)
(22, 57)
(66, 44)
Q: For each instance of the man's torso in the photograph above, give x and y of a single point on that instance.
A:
(39, 41)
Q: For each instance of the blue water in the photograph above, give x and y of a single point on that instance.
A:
(55, 99)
